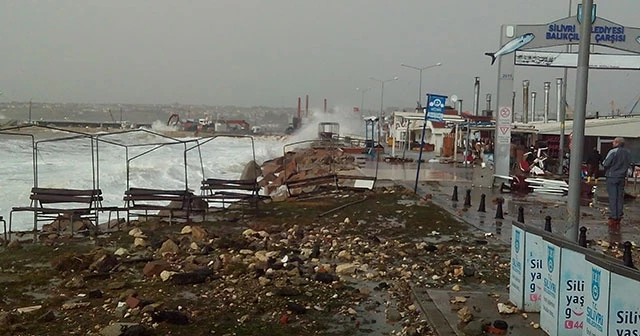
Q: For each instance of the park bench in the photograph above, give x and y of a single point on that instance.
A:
(176, 203)
(55, 204)
(227, 192)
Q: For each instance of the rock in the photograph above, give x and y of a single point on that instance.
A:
(464, 314)
(344, 255)
(469, 271)
(344, 269)
(166, 275)
(296, 308)
(393, 315)
(29, 309)
(264, 281)
(74, 305)
(104, 264)
(505, 309)
(117, 329)
(171, 317)
(95, 294)
(135, 330)
(116, 285)
(169, 246)
(137, 233)
(121, 252)
(474, 328)
(75, 283)
(154, 268)
(325, 278)
(139, 242)
(186, 229)
(132, 302)
(198, 234)
(456, 288)
(14, 245)
(195, 277)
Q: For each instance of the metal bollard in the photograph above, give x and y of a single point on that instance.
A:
(481, 207)
(521, 214)
(582, 238)
(454, 197)
(499, 214)
(467, 198)
(547, 223)
(626, 257)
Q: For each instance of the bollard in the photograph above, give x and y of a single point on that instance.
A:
(467, 198)
(499, 214)
(521, 214)
(547, 223)
(481, 207)
(454, 197)
(626, 257)
(582, 238)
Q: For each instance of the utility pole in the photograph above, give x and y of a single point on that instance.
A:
(29, 111)
(582, 86)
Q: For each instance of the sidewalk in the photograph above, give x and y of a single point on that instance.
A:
(438, 180)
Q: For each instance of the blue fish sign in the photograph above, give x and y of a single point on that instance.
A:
(435, 107)
(593, 13)
(511, 46)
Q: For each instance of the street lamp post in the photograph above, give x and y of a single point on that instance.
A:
(420, 69)
(381, 116)
(362, 92)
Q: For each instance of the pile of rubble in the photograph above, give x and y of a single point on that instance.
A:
(287, 270)
(303, 164)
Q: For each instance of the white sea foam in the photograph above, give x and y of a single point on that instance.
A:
(68, 164)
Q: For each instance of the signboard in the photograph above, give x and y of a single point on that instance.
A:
(435, 107)
(624, 306)
(504, 114)
(572, 292)
(504, 134)
(550, 288)
(597, 298)
(570, 60)
(533, 272)
(516, 275)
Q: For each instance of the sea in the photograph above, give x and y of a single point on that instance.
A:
(153, 162)
(149, 160)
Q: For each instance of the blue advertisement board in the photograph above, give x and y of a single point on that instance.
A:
(597, 298)
(516, 275)
(572, 291)
(435, 107)
(624, 306)
(550, 288)
(533, 272)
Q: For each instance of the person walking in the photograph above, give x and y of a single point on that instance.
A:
(616, 164)
(593, 165)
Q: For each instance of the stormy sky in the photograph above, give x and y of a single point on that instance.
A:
(259, 52)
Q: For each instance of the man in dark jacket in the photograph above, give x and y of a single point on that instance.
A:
(593, 165)
(616, 164)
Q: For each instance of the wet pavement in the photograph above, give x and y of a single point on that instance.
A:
(436, 181)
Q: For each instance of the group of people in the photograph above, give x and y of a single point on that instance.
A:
(480, 151)
(616, 165)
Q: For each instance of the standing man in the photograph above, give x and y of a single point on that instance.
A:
(593, 164)
(616, 164)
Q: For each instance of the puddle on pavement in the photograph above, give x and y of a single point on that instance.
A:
(370, 317)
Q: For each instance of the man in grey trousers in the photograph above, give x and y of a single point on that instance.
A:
(616, 164)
